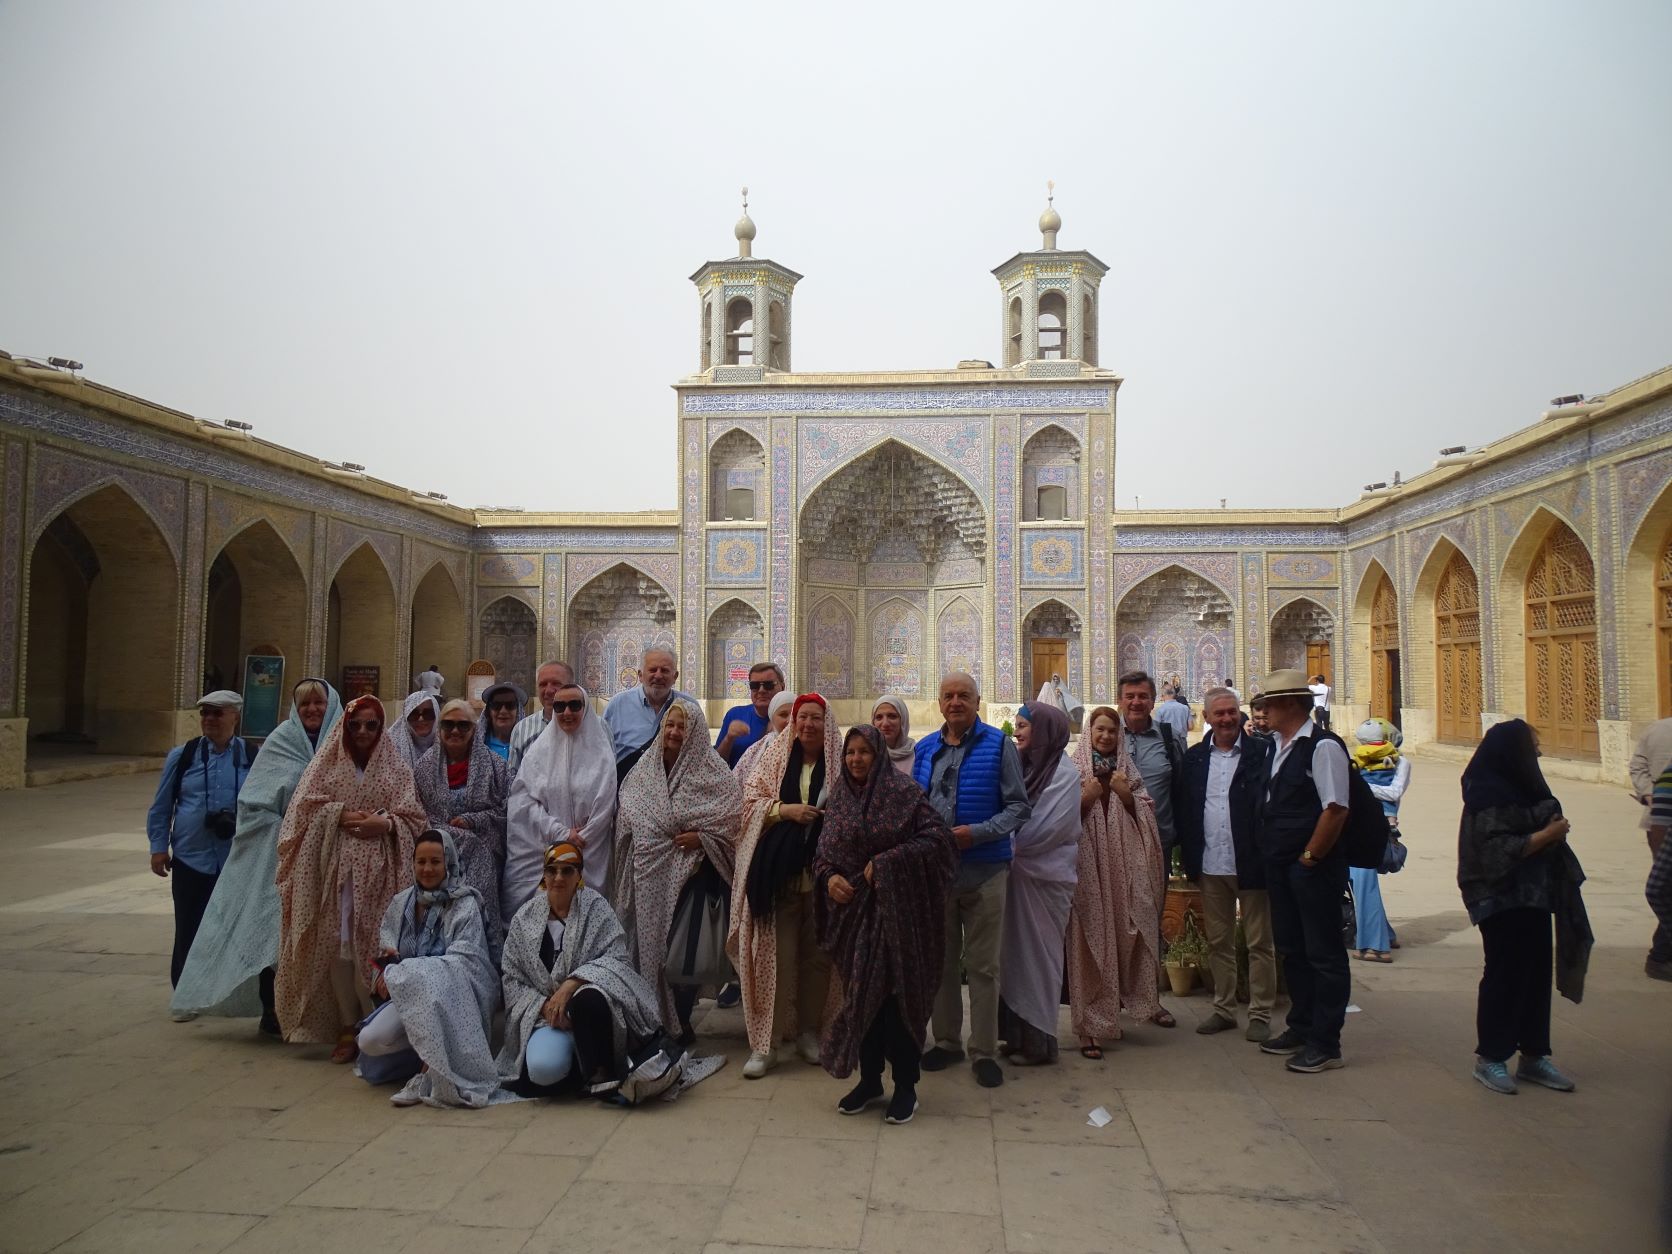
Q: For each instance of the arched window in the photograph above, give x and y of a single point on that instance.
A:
(1564, 689)
(740, 332)
(1053, 503)
(707, 334)
(1053, 326)
(1013, 333)
(777, 356)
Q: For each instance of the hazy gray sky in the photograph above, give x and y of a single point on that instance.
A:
(451, 241)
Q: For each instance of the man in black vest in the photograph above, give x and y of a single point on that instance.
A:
(1304, 810)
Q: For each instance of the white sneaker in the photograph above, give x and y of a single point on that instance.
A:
(182, 1016)
(757, 1066)
(411, 1094)
(808, 1047)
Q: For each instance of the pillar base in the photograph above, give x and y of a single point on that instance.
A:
(1417, 723)
(14, 744)
(1614, 741)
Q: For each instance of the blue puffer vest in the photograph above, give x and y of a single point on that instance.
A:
(978, 784)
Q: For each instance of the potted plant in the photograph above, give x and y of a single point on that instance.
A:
(1187, 955)
(1183, 900)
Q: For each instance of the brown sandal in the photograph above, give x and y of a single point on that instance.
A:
(1163, 1018)
(347, 1050)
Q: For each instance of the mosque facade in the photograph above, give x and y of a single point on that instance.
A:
(868, 531)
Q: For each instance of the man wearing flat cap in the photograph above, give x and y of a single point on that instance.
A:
(1303, 811)
(194, 814)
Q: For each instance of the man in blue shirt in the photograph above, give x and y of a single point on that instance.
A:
(192, 819)
(745, 724)
(973, 775)
(634, 715)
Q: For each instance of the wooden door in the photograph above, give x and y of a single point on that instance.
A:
(1663, 625)
(1564, 687)
(1050, 657)
(1318, 661)
(1457, 679)
(1384, 652)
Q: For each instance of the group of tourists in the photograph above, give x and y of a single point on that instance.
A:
(489, 906)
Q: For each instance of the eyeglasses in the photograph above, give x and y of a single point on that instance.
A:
(763, 685)
(503, 705)
(456, 725)
(365, 727)
(568, 707)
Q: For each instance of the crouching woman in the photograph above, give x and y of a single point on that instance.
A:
(437, 983)
(574, 1004)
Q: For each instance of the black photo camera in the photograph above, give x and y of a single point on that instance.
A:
(222, 823)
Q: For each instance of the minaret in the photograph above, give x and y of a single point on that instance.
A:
(745, 304)
(1050, 298)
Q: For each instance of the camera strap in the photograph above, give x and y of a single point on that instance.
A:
(189, 753)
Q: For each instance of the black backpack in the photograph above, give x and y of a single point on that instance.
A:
(1364, 838)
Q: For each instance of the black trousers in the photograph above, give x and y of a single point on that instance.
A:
(191, 890)
(594, 1030)
(1513, 1012)
(684, 1001)
(887, 1039)
(1306, 931)
(266, 989)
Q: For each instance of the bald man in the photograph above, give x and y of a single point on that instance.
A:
(634, 715)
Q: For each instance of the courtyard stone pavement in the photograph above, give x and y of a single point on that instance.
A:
(120, 1130)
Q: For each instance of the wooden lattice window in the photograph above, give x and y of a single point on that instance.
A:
(1564, 680)
(1384, 651)
(1457, 673)
(1663, 624)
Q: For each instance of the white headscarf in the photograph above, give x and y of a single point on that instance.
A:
(752, 755)
(566, 781)
(902, 755)
(412, 747)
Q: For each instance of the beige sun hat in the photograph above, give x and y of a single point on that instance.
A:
(1289, 683)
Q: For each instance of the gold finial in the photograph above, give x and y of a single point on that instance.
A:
(745, 229)
(1050, 222)
(1050, 192)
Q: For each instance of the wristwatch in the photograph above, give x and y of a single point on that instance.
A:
(1307, 858)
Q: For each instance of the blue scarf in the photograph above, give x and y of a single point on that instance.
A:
(429, 938)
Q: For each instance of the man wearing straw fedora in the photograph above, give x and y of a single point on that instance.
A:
(1303, 811)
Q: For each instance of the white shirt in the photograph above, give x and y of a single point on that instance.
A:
(1320, 696)
(1329, 766)
(1219, 857)
(555, 929)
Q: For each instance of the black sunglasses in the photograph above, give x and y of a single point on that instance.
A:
(365, 727)
(422, 714)
(571, 707)
(503, 705)
(762, 685)
(456, 724)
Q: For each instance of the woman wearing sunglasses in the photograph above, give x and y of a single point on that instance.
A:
(345, 850)
(462, 787)
(564, 790)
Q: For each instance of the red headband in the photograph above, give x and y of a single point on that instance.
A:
(808, 698)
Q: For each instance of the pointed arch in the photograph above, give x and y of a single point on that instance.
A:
(264, 603)
(1052, 644)
(103, 625)
(1376, 625)
(1177, 624)
(1647, 614)
(1447, 641)
(737, 477)
(829, 652)
(1541, 675)
(810, 487)
(360, 622)
(613, 618)
(895, 646)
(1051, 459)
(1303, 637)
(508, 634)
(48, 505)
(1548, 596)
(736, 641)
(958, 638)
(439, 626)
